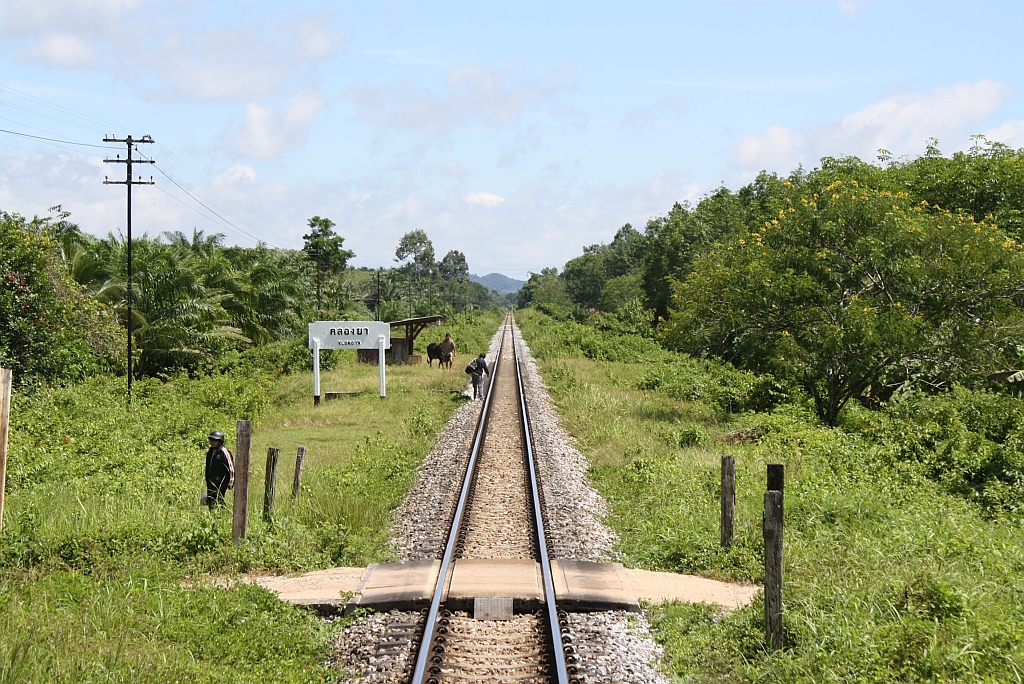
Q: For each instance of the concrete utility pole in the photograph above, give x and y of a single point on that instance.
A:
(128, 182)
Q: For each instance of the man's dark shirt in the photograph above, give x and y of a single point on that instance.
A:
(220, 470)
(479, 367)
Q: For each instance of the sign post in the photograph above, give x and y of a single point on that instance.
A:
(347, 335)
(380, 362)
(316, 372)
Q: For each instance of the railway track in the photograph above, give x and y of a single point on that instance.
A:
(499, 515)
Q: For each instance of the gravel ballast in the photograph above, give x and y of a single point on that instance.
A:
(612, 646)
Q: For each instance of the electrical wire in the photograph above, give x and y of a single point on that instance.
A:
(214, 187)
(200, 202)
(51, 156)
(56, 140)
(192, 194)
(45, 103)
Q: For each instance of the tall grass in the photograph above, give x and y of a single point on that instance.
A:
(891, 572)
(106, 556)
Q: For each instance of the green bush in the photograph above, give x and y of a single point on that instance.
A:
(559, 339)
(715, 383)
(971, 442)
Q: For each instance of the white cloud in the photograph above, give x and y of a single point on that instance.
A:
(470, 93)
(1009, 133)
(38, 18)
(235, 174)
(60, 50)
(487, 199)
(170, 57)
(266, 132)
(549, 216)
(232, 64)
(313, 39)
(642, 116)
(851, 8)
(525, 141)
(901, 123)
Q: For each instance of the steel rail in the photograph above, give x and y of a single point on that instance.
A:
(551, 610)
(420, 674)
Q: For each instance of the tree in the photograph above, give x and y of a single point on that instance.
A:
(417, 248)
(49, 330)
(987, 180)
(853, 292)
(324, 248)
(545, 291)
(584, 276)
(454, 267)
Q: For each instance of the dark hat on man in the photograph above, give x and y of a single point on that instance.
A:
(483, 356)
(217, 435)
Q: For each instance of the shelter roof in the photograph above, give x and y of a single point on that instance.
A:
(422, 320)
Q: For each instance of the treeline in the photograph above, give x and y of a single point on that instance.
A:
(851, 281)
(196, 303)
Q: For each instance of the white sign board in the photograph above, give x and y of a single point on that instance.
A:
(349, 334)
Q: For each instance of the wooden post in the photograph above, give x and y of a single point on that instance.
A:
(269, 481)
(5, 419)
(300, 454)
(728, 498)
(776, 477)
(240, 519)
(773, 569)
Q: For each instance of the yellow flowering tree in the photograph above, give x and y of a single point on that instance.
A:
(851, 291)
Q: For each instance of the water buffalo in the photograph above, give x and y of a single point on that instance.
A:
(434, 352)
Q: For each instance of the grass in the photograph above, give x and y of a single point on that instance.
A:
(889, 575)
(106, 557)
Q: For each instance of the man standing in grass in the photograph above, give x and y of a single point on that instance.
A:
(476, 369)
(447, 351)
(220, 470)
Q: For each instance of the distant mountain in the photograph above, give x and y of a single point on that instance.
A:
(499, 282)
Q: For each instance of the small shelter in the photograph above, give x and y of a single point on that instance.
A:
(401, 347)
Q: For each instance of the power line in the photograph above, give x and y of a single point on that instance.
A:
(91, 119)
(214, 187)
(195, 195)
(45, 103)
(187, 192)
(7, 103)
(66, 142)
(51, 156)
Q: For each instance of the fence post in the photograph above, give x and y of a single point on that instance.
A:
(269, 482)
(5, 419)
(240, 517)
(772, 532)
(728, 498)
(776, 477)
(300, 454)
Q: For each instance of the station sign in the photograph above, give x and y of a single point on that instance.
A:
(349, 334)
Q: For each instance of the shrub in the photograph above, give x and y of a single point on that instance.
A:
(715, 383)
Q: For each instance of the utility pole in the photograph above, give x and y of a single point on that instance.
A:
(378, 293)
(128, 183)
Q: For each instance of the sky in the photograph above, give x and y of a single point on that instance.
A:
(516, 133)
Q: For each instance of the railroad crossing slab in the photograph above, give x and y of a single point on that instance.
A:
(517, 579)
(396, 586)
(586, 586)
(579, 586)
